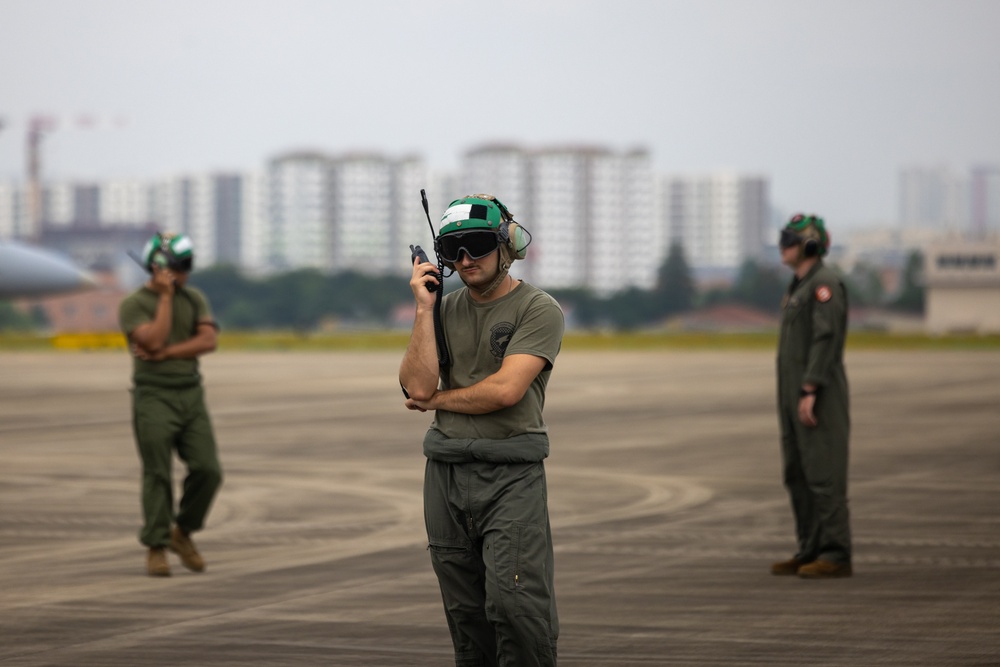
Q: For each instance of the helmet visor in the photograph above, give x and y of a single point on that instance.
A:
(789, 239)
(474, 244)
(184, 264)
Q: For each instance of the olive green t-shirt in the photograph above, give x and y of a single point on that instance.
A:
(480, 336)
(189, 307)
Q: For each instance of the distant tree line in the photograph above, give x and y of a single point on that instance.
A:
(303, 300)
(308, 299)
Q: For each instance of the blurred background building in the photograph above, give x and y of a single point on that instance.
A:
(721, 220)
(596, 216)
(949, 200)
(963, 287)
(599, 219)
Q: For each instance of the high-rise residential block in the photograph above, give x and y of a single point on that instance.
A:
(361, 213)
(719, 219)
(934, 197)
(128, 202)
(590, 212)
(13, 211)
(300, 211)
(985, 200)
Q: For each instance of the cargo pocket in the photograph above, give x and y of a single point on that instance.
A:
(530, 579)
(451, 560)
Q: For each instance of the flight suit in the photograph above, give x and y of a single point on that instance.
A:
(169, 414)
(815, 459)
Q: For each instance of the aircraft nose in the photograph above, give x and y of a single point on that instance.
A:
(27, 271)
(88, 280)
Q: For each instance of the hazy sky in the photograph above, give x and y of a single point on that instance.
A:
(827, 98)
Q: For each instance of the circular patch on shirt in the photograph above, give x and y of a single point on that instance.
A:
(500, 336)
(823, 294)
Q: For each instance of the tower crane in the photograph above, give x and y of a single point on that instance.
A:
(38, 126)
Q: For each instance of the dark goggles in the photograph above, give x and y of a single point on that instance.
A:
(184, 265)
(789, 239)
(475, 244)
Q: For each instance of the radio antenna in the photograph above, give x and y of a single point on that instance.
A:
(427, 211)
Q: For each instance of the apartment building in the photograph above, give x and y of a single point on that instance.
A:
(502, 170)
(300, 210)
(356, 211)
(409, 221)
(598, 218)
(934, 197)
(590, 212)
(13, 211)
(127, 202)
(720, 219)
(361, 213)
(985, 200)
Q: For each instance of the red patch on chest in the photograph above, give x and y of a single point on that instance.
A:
(823, 294)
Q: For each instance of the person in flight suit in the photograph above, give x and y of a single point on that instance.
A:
(485, 497)
(168, 326)
(813, 409)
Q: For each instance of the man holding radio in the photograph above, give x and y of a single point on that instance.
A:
(813, 404)
(168, 326)
(485, 497)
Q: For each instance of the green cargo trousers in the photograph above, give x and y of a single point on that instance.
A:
(815, 473)
(491, 548)
(165, 419)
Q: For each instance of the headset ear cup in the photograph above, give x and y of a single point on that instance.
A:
(516, 242)
(810, 248)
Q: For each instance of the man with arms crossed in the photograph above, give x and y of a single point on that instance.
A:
(168, 326)
(485, 498)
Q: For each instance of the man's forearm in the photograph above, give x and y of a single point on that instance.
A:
(203, 342)
(478, 399)
(154, 335)
(418, 372)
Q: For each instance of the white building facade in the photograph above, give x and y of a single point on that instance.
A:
(361, 214)
(962, 280)
(13, 211)
(934, 197)
(720, 219)
(984, 206)
(299, 212)
(590, 212)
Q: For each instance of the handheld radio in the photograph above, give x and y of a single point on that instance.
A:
(444, 358)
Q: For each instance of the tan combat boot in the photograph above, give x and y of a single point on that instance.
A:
(825, 569)
(787, 567)
(182, 545)
(156, 563)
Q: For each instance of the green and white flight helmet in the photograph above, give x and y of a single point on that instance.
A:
(811, 229)
(479, 213)
(167, 250)
(473, 212)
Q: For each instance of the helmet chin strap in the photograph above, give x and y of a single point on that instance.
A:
(504, 260)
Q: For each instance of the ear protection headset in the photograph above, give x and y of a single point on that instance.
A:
(811, 245)
(511, 233)
(810, 248)
(160, 258)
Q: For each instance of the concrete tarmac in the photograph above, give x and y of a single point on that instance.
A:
(665, 497)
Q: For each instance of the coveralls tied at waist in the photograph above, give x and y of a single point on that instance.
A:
(524, 448)
(167, 381)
